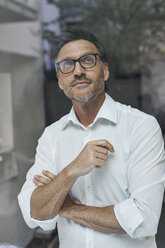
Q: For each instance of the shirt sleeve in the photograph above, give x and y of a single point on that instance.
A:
(139, 215)
(43, 161)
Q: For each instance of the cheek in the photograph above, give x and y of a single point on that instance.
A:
(96, 75)
(100, 77)
(63, 83)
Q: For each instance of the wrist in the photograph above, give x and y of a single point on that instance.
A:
(67, 211)
(73, 170)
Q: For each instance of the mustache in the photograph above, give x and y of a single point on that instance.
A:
(81, 78)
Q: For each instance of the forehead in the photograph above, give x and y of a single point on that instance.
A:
(75, 49)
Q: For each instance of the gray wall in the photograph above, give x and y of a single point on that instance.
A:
(28, 124)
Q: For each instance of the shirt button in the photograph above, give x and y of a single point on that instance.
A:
(87, 133)
(88, 188)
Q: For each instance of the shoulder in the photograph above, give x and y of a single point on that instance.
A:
(141, 131)
(134, 117)
(52, 131)
(58, 125)
(135, 124)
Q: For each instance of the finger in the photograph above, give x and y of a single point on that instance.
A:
(41, 179)
(37, 183)
(48, 174)
(101, 156)
(99, 162)
(106, 144)
(101, 149)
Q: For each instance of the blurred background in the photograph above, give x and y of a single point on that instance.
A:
(133, 33)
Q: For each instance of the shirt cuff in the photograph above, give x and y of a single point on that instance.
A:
(46, 224)
(128, 216)
(24, 203)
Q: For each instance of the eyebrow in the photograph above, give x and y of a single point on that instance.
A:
(88, 53)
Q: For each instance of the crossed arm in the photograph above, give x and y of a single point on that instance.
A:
(51, 196)
(101, 219)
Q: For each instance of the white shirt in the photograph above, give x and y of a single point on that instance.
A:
(132, 179)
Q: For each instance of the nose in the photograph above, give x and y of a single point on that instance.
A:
(79, 70)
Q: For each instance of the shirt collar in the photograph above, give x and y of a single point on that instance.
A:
(107, 111)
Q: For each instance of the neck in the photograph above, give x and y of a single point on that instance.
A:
(86, 112)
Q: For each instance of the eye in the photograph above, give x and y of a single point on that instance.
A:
(67, 63)
(88, 59)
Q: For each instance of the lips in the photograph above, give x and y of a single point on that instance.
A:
(80, 83)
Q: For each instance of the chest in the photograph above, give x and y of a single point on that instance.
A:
(109, 180)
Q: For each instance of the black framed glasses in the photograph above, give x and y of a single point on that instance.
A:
(87, 61)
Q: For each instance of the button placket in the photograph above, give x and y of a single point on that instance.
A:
(87, 136)
(88, 183)
(88, 195)
(87, 133)
(89, 238)
(88, 190)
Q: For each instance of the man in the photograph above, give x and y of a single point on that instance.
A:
(99, 170)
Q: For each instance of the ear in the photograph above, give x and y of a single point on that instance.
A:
(106, 72)
(60, 84)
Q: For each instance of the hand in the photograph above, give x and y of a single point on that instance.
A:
(94, 154)
(43, 180)
(67, 207)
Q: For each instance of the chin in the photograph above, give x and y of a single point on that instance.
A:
(84, 95)
(84, 98)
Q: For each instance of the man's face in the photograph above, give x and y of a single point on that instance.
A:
(82, 85)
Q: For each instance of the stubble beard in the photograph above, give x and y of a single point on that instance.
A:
(95, 92)
(89, 96)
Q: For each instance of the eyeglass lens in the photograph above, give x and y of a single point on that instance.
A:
(86, 61)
